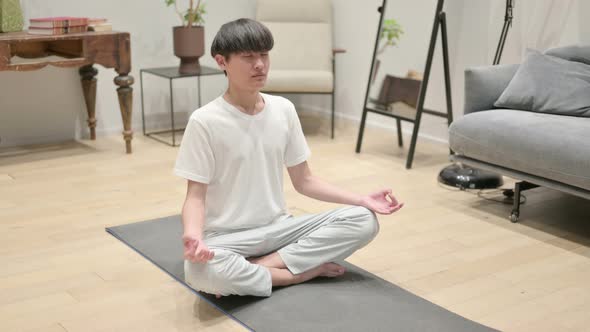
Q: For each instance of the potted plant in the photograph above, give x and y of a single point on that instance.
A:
(390, 34)
(189, 37)
(11, 17)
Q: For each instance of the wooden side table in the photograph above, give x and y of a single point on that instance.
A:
(20, 51)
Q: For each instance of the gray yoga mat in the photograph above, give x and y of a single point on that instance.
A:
(355, 301)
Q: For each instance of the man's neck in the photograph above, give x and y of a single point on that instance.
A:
(249, 102)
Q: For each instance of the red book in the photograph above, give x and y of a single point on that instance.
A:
(57, 22)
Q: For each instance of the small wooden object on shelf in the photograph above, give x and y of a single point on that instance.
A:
(99, 24)
(396, 89)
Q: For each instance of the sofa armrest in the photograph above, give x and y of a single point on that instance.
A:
(484, 85)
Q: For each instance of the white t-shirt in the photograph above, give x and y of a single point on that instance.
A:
(241, 158)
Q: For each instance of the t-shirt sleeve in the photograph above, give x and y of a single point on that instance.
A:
(297, 150)
(195, 160)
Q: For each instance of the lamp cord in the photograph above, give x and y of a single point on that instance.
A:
(486, 193)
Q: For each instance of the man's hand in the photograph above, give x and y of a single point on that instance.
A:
(195, 249)
(378, 202)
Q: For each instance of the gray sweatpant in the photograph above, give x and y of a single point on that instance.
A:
(303, 242)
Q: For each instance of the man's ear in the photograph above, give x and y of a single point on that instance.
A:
(221, 61)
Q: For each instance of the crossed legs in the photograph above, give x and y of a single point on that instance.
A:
(295, 250)
(281, 276)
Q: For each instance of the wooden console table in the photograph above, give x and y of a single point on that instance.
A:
(20, 51)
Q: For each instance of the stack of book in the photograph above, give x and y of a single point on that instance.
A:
(67, 24)
(57, 25)
(99, 24)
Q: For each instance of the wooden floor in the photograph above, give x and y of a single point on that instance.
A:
(60, 271)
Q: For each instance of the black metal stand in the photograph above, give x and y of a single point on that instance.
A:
(171, 73)
(439, 22)
(454, 175)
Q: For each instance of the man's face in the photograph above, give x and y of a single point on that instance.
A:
(247, 70)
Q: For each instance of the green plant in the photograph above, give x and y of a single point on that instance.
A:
(391, 33)
(192, 16)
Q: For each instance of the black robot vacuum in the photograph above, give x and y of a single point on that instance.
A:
(464, 177)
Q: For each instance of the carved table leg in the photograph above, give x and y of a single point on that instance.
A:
(125, 93)
(87, 75)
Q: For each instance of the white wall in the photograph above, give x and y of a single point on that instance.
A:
(47, 105)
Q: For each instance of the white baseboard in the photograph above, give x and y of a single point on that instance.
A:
(370, 123)
(154, 122)
(25, 141)
(137, 127)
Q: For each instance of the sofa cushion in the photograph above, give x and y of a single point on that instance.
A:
(549, 84)
(579, 53)
(485, 84)
(547, 145)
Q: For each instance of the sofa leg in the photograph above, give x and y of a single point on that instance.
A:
(516, 203)
(518, 188)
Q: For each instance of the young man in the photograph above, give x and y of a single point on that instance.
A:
(238, 237)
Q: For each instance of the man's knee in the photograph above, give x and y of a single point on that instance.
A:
(367, 222)
(228, 274)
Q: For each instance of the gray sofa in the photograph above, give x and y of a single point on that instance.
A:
(538, 149)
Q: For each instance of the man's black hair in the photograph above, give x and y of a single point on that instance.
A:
(242, 35)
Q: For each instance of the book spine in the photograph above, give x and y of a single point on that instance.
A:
(59, 31)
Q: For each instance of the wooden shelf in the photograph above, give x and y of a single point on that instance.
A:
(25, 64)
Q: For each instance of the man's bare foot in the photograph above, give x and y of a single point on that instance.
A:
(331, 270)
(284, 277)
